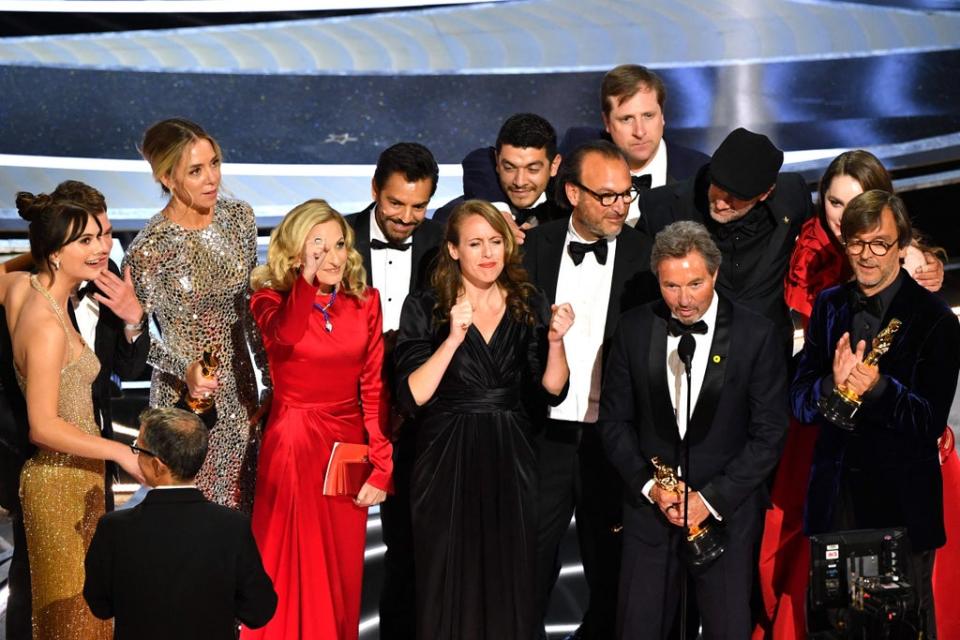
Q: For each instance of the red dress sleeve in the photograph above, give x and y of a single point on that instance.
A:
(373, 397)
(283, 318)
(815, 265)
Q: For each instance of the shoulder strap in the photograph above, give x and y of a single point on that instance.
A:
(56, 309)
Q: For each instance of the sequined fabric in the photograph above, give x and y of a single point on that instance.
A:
(194, 282)
(62, 497)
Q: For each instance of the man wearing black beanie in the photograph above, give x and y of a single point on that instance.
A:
(753, 213)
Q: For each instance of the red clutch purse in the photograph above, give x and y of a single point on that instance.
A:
(348, 469)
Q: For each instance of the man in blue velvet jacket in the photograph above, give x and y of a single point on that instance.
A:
(886, 471)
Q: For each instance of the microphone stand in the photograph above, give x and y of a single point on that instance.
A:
(684, 584)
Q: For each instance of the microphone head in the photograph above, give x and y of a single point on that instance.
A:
(686, 348)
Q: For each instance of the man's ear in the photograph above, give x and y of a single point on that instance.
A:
(768, 193)
(555, 165)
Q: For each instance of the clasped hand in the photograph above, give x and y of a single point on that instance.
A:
(561, 319)
(671, 505)
(849, 368)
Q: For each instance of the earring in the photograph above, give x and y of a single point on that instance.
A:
(56, 265)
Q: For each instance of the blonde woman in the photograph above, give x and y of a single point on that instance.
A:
(322, 332)
(190, 266)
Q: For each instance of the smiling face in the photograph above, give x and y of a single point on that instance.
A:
(480, 251)
(524, 173)
(196, 180)
(330, 235)
(401, 206)
(875, 273)
(842, 190)
(687, 286)
(84, 258)
(636, 126)
(602, 175)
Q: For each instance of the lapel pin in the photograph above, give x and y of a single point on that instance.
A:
(716, 358)
(786, 220)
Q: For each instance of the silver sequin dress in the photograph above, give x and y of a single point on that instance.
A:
(194, 283)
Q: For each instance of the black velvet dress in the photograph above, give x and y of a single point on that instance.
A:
(473, 491)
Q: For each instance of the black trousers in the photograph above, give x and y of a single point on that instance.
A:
(18, 602)
(398, 594)
(576, 477)
(651, 574)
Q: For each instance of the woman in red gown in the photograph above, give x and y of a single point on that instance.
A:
(322, 333)
(818, 261)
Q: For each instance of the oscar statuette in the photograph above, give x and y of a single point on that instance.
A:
(204, 406)
(841, 406)
(703, 543)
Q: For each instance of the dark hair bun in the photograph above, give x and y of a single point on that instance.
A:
(30, 206)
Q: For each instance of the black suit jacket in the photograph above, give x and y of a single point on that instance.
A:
(633, 284)
(738, 425)
(789, 206)
(426, 240)
(480, 181)
(682, 162)
(177, 566)
(891, 461)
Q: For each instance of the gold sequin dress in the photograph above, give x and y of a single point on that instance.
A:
(194, 282)
(62, 498)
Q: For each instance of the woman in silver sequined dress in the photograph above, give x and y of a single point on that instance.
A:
(190, 267)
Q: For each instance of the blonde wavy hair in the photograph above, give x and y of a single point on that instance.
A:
(286, 245)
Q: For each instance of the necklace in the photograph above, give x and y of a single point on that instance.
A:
(324, 310)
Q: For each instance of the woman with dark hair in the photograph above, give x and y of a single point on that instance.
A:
(61, 485)
(478, 357)
(819, 261)
(190, 266)
(322, 331)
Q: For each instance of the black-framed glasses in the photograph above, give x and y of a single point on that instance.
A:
(878, 248)
(607, 199)
(137, 450)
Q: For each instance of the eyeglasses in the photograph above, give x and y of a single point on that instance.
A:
(877, 247)
(138, 450)
(607, 199)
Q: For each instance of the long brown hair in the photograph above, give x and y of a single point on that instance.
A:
(862, 166)
(447, 280)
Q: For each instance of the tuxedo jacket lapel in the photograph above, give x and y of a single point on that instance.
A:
(549, 260)
(361, 238)
(712, 387)
(664, 418)
(622, 267)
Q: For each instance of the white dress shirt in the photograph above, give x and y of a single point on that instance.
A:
(390, 274)
(87, 313)
(677, 378)
(505, 206)
(657, 168)
(587, 288)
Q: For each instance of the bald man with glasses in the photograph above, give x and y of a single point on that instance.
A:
(602, 268)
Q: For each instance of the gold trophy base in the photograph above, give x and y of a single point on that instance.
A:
(840, 407)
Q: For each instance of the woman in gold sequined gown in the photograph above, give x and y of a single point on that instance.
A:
(61, 486)
(190, 266)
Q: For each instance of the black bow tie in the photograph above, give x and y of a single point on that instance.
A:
(380, 244)
(871, 304)
(676, 328)
(642, 182)
(87, 289)
(579, 249)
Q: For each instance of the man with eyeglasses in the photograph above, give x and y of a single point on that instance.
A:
(602, 268)
(754, 214)
(885, 472)
(176, 565)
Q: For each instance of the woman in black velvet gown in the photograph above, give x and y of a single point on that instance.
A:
(478, 355)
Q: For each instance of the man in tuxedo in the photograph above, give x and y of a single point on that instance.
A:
(398, 245)
(886, 471)
(601, 267)
(735, 435)
(515, 175)
(754, 214)
(176, 565)
(632, 99)
(109, 317)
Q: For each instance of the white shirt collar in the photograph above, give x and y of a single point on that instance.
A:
(657, 167)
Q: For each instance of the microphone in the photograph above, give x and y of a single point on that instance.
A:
(685, 350)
